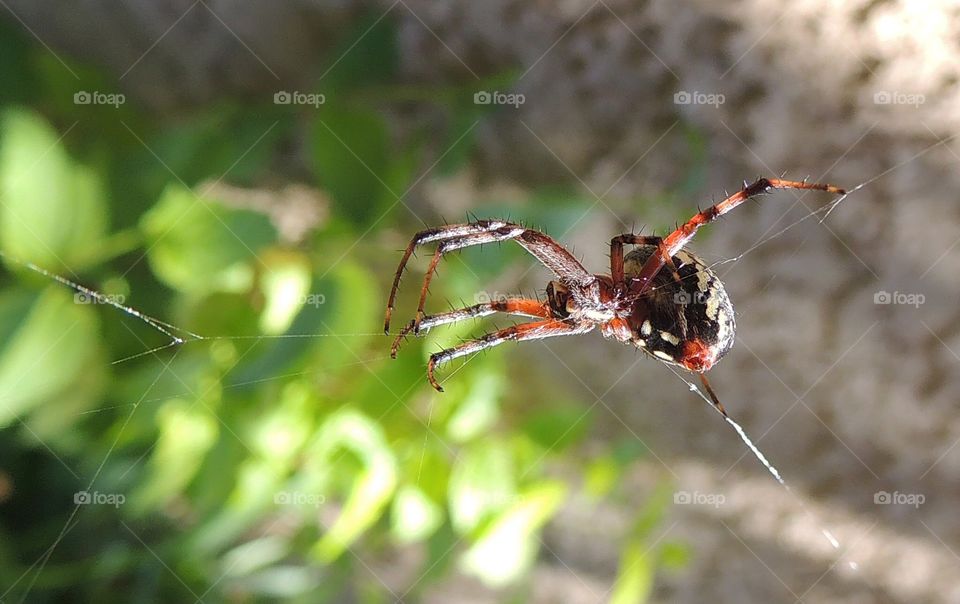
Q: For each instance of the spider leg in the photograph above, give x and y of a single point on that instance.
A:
(517, 333)
(458, 236)
(520, 307)
(713, 395)
(616, 256)
(675, 241)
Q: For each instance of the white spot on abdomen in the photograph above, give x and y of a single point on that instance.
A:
(669, 337)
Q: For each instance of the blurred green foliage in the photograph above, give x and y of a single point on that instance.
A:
(272, 457)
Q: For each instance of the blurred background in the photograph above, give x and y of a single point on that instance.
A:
(246, 174)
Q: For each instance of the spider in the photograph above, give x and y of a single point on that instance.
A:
(659, 297)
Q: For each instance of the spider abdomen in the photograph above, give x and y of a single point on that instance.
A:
(687, 322)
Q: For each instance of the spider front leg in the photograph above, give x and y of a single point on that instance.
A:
(675, 241)
(616, 256)
(517, 333)
(457, 236)
(521, 307)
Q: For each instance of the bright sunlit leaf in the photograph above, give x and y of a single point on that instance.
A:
(482, 483)
(285, 284)
(283, 582)
(479, 411)
(187, 431)
(635, 577)
(46, 340)
(508, 546)
(414, 516)
(373, 485)
(253, 555)
(53, 211)
(196, 245)
(280, 432)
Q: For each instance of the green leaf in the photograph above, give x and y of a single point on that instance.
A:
(198, 148)
(508, 547)
(285, 284)
(197, 246)
(478, 412)
(350, 158)
(187, 432)
(343, 304)
(53, 424)
(53, 211)
(601, 476)
(675, 555)
(481, 484)
(279, 433)
(653, 511)
(372, 485)
(414, 516)
(47, 339)
(634, 582)
(255, 555)
(558, 425)
(286, 582)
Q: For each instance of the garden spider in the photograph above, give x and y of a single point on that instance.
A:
(681, 315)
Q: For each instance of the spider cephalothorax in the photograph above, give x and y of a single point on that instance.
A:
(662, 299)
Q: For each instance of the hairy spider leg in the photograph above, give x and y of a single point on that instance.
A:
(522, 307)
(457, 236)
(517, 333)
(675, 241)
(616, 255)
